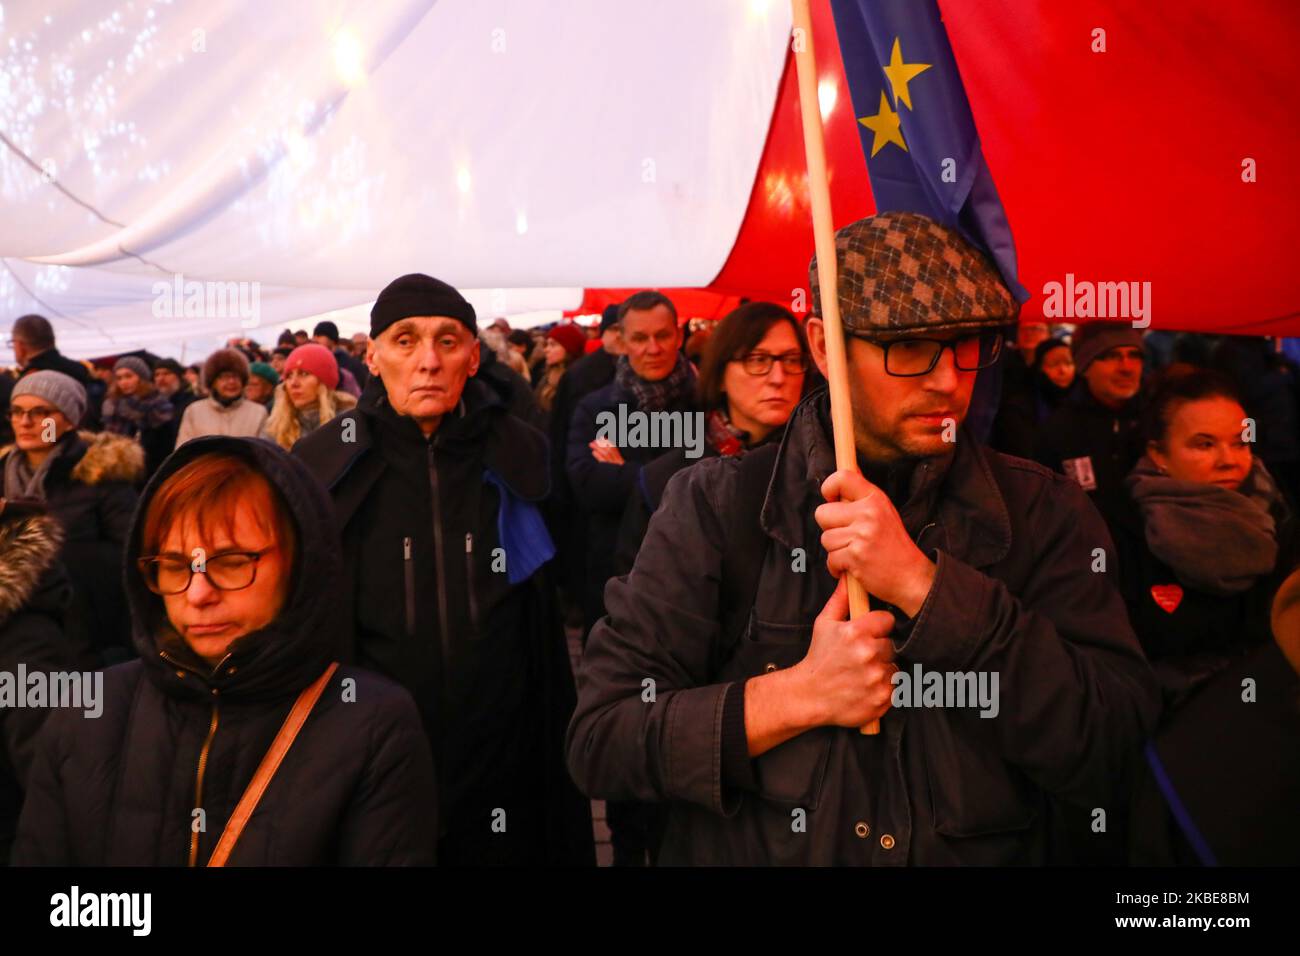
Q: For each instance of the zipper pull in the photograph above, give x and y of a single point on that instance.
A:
(406, 548)
(469, 542)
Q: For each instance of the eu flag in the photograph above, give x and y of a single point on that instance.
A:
(918, 135)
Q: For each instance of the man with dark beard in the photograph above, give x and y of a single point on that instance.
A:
(727, 681)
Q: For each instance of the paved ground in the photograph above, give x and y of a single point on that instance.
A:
(604, 852)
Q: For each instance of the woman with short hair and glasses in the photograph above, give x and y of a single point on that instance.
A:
(755, 371)
(87, 482)
(234, 577)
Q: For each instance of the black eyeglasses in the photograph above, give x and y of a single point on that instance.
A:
(31, 414)
(760, 363)
(226, 571)
(910, 357)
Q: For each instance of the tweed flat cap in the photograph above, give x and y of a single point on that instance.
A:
(903, 273)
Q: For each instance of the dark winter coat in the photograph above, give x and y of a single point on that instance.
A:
(1109, 440)
(1028, 398)
(1013, 594)
(7, 381)
(150, 420)
(34, 600)
(91, 490)
(1221, 780)
(567, 521)
(460, 615)
(356, 787)
(1187, 633)
(602, 490)
(649, 492)
(509, 386)
(347, 360)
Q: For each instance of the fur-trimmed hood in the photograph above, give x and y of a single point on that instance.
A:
(29, 548)
(107, 457)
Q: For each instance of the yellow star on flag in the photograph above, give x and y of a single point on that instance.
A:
(900, 74)
(885, 125)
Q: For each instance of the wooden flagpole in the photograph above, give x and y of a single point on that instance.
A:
(846, 457)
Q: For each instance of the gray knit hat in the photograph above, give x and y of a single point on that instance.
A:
(62, 391)
(1093, 338)
(135, 364)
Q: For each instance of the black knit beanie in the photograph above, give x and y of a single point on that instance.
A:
(418, 294)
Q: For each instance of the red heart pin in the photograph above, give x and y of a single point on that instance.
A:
(1168, 596)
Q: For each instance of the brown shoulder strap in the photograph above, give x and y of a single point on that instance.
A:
(302, 708)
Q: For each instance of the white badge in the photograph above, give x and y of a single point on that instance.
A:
(1080, 469)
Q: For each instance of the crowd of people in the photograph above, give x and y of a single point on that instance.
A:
(388, 535)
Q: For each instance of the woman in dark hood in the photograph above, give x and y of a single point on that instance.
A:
(233, 576)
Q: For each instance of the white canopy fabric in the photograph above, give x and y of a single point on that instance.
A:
(320, 148)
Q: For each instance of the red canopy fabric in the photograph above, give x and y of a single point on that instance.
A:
(1115, 166)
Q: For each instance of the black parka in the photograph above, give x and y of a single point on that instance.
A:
(35, 635)
(1084, 435)
(90, 489)
(177, 736)
(1013, 593)
(446, 574)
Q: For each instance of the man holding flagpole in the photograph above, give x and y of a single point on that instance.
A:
(726, 680)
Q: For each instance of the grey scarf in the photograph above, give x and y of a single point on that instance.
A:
(1216, 540)
(23, 481)
(309, 418)
(675, 389)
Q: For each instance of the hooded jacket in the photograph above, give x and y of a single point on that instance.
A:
(91, 490)
(178, 736)
(445, 551)
(1013, 595)
(34, 600)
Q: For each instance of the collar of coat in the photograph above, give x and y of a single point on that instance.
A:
(95, 458)
(512, 450)
(957, 492)
(28, 549)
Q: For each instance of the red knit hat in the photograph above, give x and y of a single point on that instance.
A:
(316, 359)
(571, 337)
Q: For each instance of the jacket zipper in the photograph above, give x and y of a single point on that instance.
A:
(204, 751)
(441, 570)
(409, 577)
(198, 785)
(469, 577)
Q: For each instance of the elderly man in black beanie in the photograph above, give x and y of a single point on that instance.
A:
(727, 681)
(436, 488)
(1095, 437)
